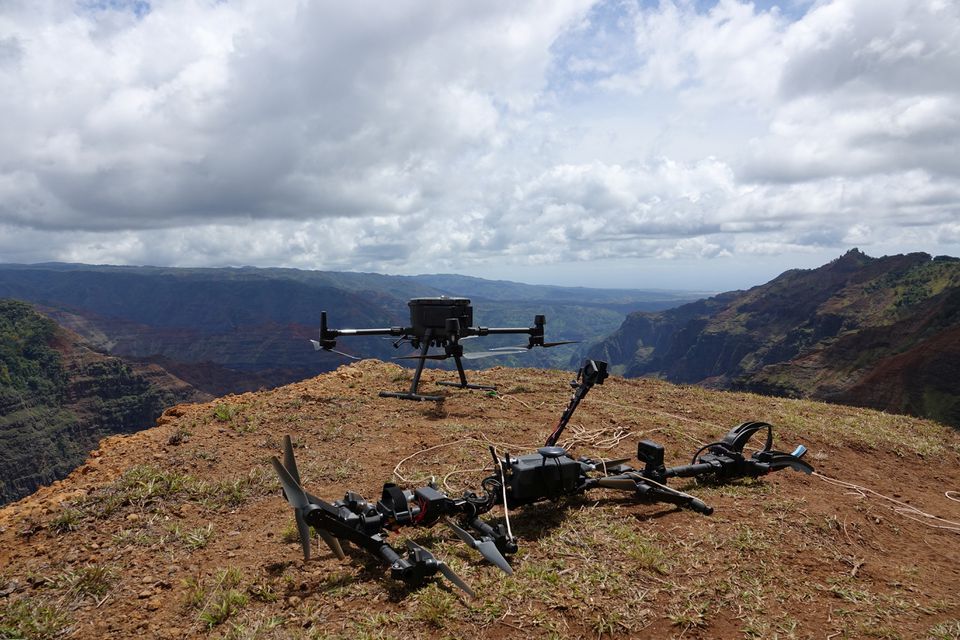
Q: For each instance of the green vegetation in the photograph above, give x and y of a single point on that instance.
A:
(90, 581)
(875, 332)
(218, 602)
(148, 489)
(193, 539)
(68, 520)
(947, 630)
(28, 365)
(224, 411)
(33, 618)
(34, 425)
(54, 409)
(434, 605)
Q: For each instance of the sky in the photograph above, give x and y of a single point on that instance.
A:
(674, 144)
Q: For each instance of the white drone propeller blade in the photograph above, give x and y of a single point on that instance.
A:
(476, 355)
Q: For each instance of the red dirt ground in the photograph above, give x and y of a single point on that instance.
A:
(200, 517)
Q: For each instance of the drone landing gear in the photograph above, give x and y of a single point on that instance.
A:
(463, 384)
(454, 351)
(421, 361)
(407, 395)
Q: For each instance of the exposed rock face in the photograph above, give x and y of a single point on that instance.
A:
(58, 397)
(876, 332)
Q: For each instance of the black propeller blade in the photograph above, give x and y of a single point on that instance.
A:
(300, 499)
(487, 548)
(442, 568)
(333, 543)
(291, 489)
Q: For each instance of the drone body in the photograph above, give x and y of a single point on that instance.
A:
(440, 322)
(550, 473)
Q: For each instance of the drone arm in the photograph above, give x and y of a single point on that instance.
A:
(663, 493)
(692, 470)
(649, 490)
(490, 331)
(385, 331)
(592, 372)
(328, 336)
(535, 332)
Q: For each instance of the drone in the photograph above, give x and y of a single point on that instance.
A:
(551, 473)
(438, 322)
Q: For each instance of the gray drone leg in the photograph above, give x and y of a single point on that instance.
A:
(463, 375)
(424, 347)
(421, 361)
(463, 384)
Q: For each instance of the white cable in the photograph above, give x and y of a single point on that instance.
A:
(503, 486)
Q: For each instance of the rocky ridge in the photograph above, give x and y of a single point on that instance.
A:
(51, 419)
(875, 332)
(180, 530)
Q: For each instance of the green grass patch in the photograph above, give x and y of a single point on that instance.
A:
(89, 581)
(217, 602)
(145, 488)
(33, 618)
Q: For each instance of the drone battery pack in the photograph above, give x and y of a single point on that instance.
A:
(535, 477)
(433, 313)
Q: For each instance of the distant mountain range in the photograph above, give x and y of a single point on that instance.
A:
(875, 332)
(234, 330)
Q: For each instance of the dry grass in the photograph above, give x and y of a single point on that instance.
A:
(785, 556)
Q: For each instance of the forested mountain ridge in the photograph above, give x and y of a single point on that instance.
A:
(877, 332)
(58, 397)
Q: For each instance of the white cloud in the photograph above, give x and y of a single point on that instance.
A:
(408, 137)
